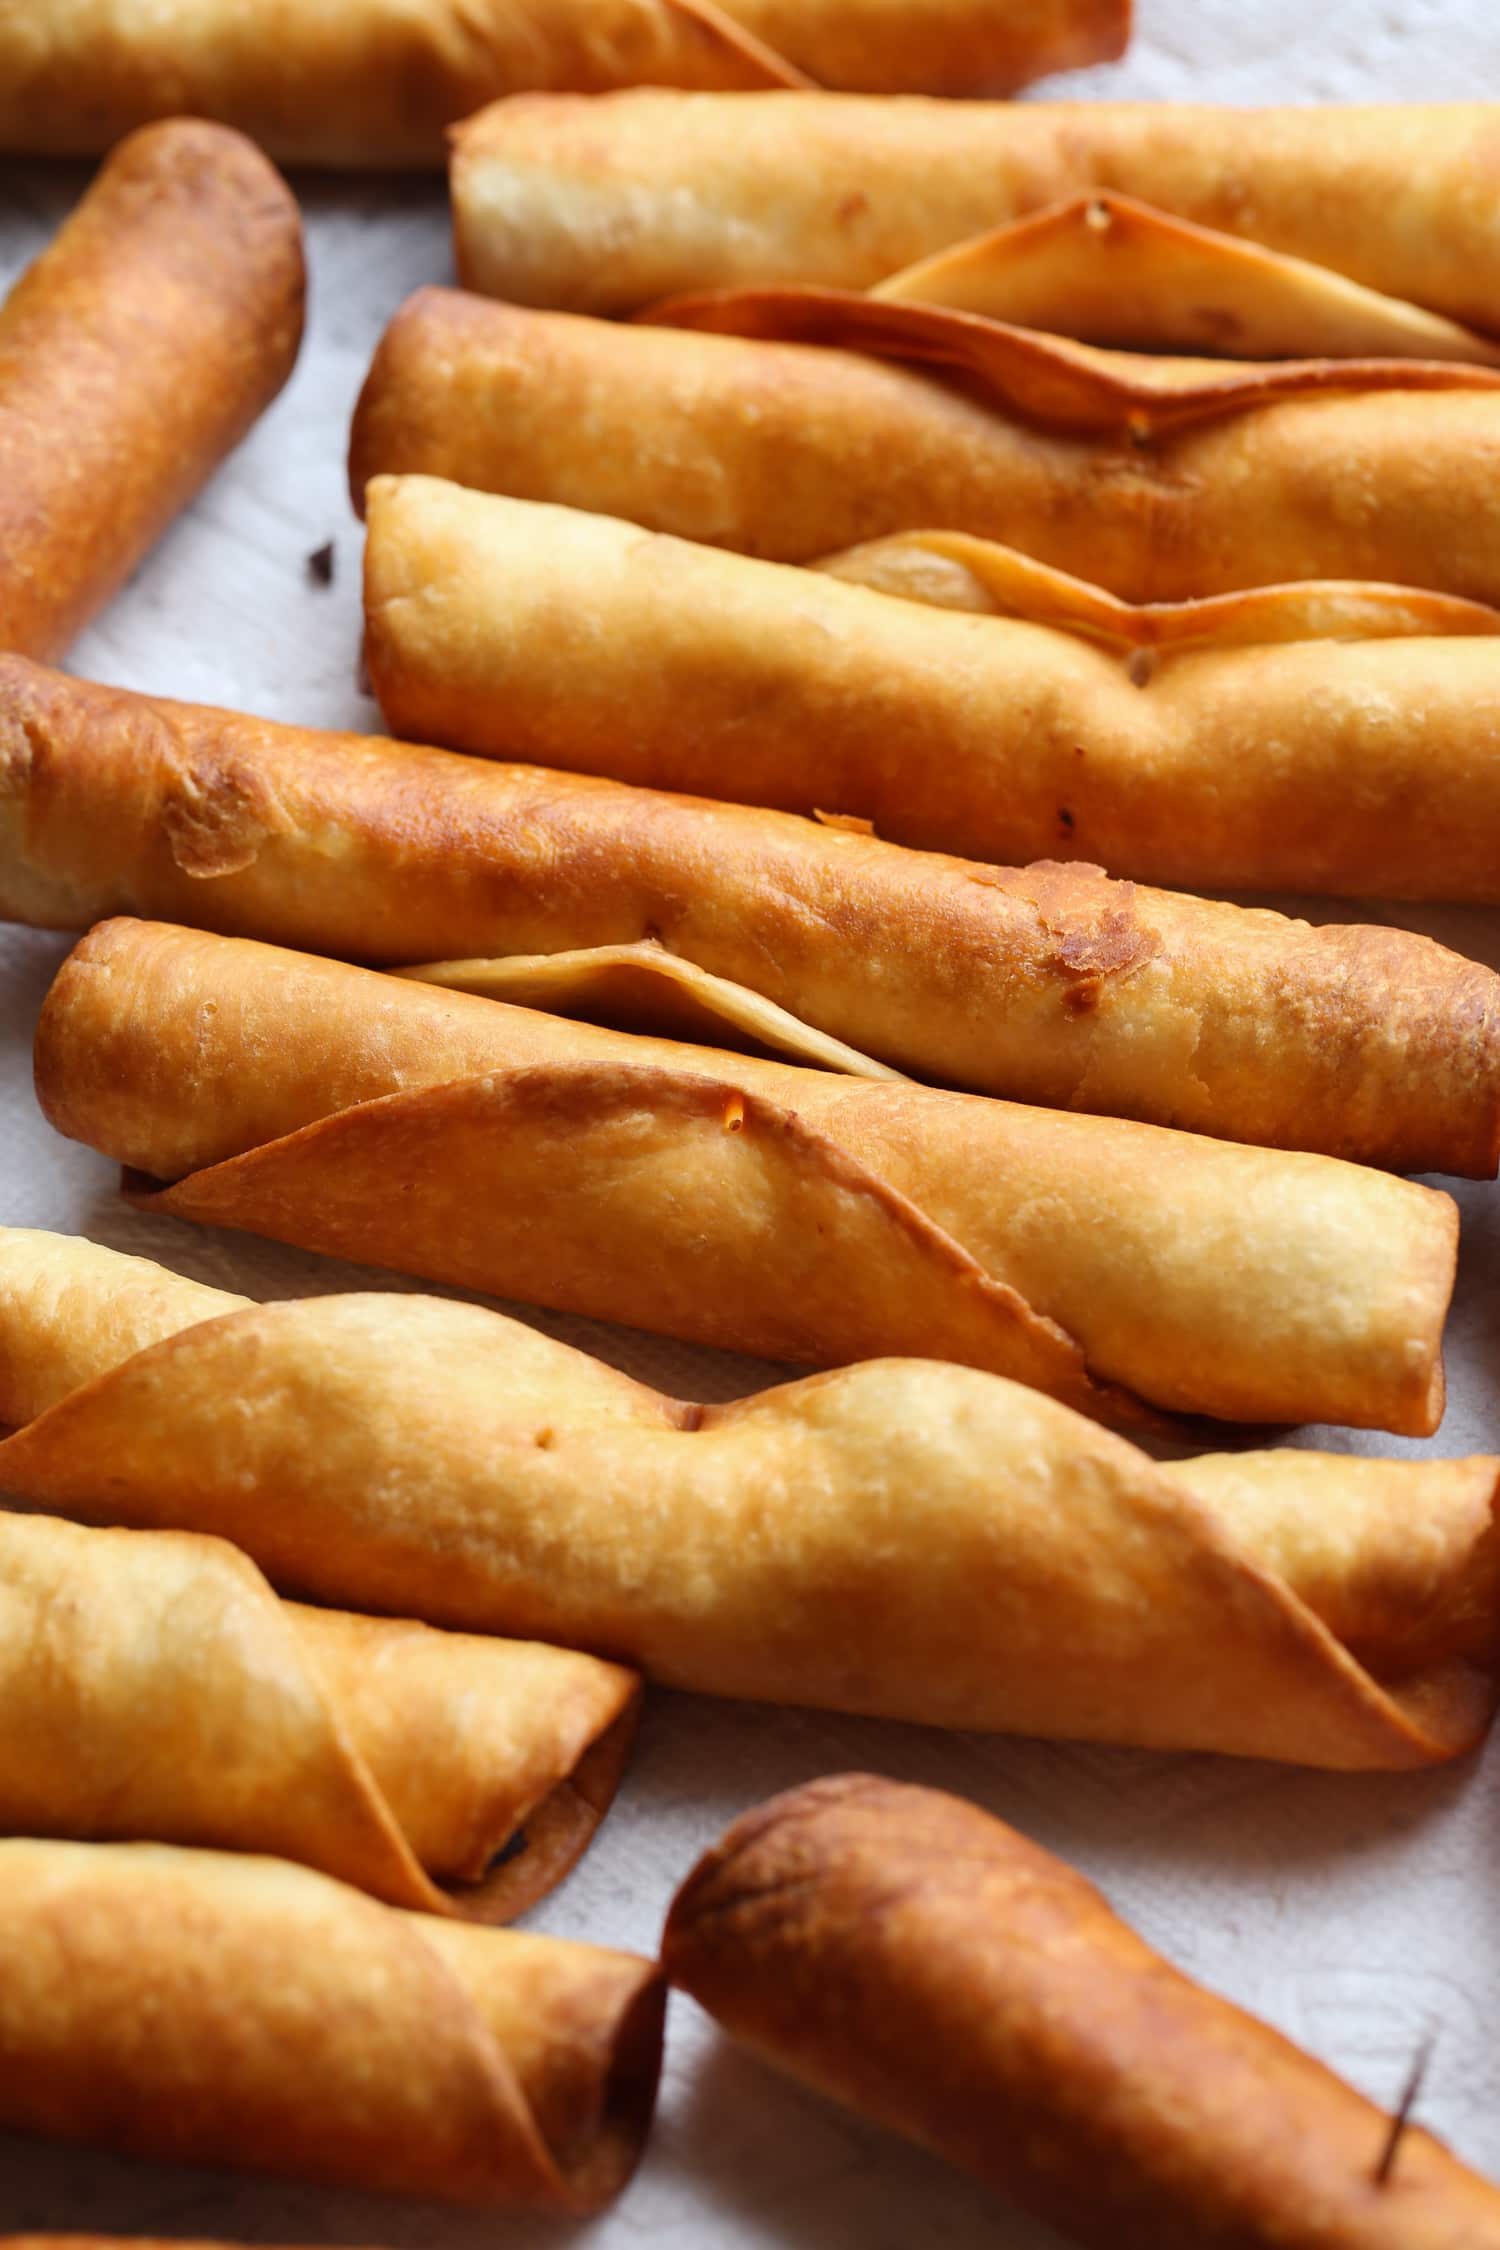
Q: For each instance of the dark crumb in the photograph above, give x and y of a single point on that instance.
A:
(511, 1849)
(320, 564)
(1065, 819)
(1401, 2117)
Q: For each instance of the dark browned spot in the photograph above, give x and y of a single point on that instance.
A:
(1141, 667)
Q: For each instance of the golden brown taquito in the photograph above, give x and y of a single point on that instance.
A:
(1264, 742)
(745, 1203)
(901, 1538)
(792, 452)
(1049, 984)
(134, 354)
(212, 2008)
(607, 206)
(927, 1966)
(155, 1687)
(375, 82)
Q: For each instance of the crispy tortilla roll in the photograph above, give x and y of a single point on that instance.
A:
(134, 355)
(1049, 984)
(921, 1962)
(902, 1538)
(608, 206)
(1334, 738)
(744, 1203)
(792, 452)
(375, 82)
(156, 1688)
(210, 2008)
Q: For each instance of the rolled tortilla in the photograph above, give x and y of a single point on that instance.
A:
(792, 452)
(375, 82)
(927, 1966)
(1049, 984)
(743, 1203)
(156, 1688)
(901, 1539)
(134, 354)
(211, 2008)
(608, 206)
(1320, 739)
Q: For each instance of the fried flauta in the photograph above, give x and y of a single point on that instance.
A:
(792, 450)
(902, 1538)
(921, 1962)
(609, 206)
(212, 2008)
(1328, 738)
(1048, 984)
(375, 82)
(156, 1688)
(134, 354)
(748, 1204)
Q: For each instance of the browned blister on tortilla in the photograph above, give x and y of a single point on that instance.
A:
(213, 2008)
(812, 940)
(374, 83)
(902, 1538)
(935, 1971)
(789, 423)
(134, 354)
(744, 1202)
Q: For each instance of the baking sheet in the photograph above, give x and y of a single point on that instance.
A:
(1357, 1913)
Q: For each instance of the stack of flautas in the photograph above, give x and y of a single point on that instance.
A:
(903, 1539)
(375, 82)
(1049, 984)
(751, 1204)
(925, 1965)
(909, 300)
(154, 1685)
(1327, 738)
(213, 2008)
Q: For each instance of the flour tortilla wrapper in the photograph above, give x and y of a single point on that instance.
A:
(743, 1203)
(135, 353)
(156, 1688)
(1114, 271)
(608, 206)
(374, 83)
(901, 1539)
(790, 424)
(1320, 738)
(213, 2008)
(1048, 984)
(928, 1967)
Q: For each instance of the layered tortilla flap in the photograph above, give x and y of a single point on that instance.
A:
(1050, 381)
(1110, 270)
